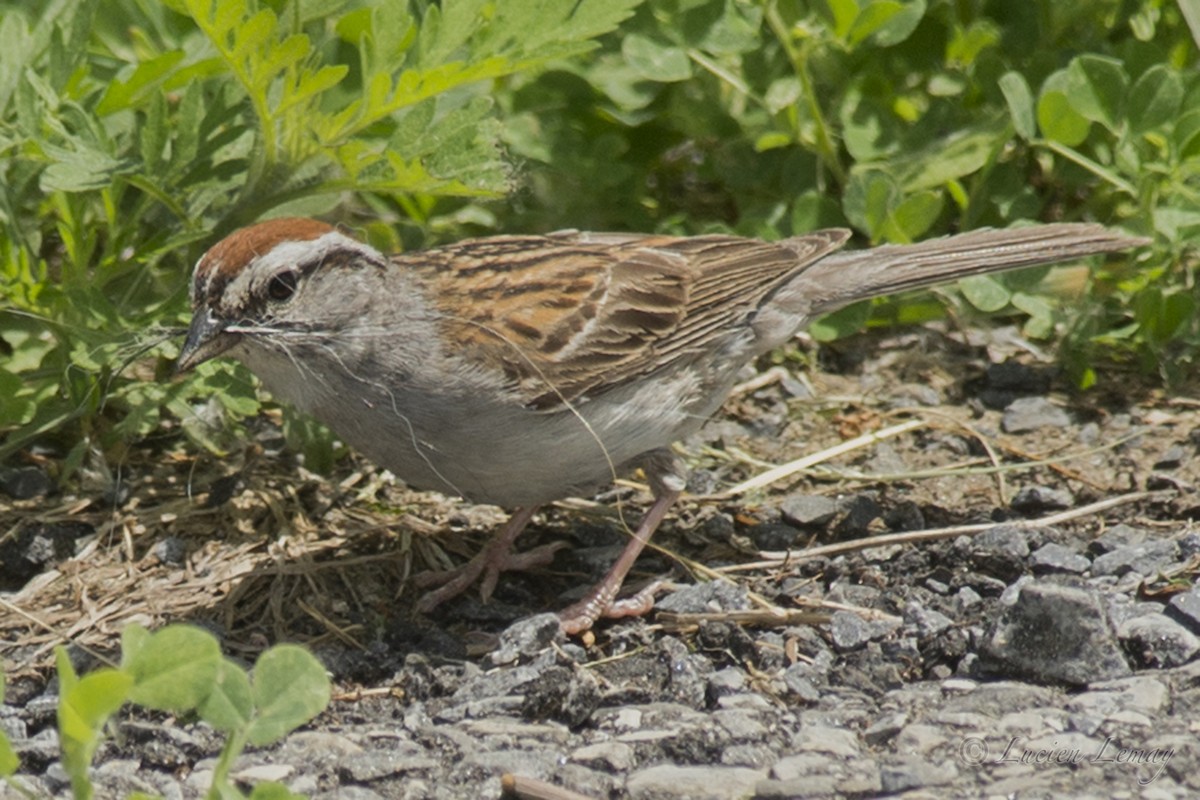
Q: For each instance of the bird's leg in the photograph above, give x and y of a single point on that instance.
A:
(496, 557)
(666, 476)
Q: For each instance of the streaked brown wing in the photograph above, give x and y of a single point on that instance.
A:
(564, 313)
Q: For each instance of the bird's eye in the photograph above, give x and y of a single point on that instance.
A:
(282, 286)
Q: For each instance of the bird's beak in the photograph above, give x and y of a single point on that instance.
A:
(206, 338)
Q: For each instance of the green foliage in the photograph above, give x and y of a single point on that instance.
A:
(180, 669)
(137, 133)
(902, 119)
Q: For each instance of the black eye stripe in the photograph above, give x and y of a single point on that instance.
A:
(283, 285)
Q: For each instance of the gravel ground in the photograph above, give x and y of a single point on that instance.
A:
(1046, 647)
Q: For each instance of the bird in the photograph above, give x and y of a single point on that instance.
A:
(517, 370)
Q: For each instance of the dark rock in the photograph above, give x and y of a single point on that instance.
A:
(905, 516)
(562, 694)
(1156, 641)
(885, 728)
(1189, 545)
(1116, 537)
(730, 680)
(773, 536)
(699, 598)
(808, 510)
(527, 637)
(912, 772)
(1054, 558)
(32, 548)
(1144, 559)
(1031, 413)
(1059, 634)
(1184, 608)
(925, 622)
(25, 483)
(1005, 382)
(171, 550)
(1172, 459)
(859, 511)
(848, 630)
(1000, 551)
(1034, 499)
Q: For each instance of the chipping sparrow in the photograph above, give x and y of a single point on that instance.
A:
(517, 370)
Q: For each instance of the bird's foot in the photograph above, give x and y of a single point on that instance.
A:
(497, 556)
(600, 602)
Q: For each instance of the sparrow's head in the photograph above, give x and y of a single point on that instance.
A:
(268, 282)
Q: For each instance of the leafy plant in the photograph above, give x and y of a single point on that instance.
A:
(180, 669)
(136, 132)
(902, 120)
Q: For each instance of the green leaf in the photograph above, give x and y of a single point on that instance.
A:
(9, 763)
(1155, 98)
(1040, 324)
(89, 703)
(67, 677)
(656, 61)
(1098, 87)
(870, 197)
(271, 790)
(1060, 121)
(140, 85)
(901, 24)
(1020, 103)
(951, 158)
(290, 687)
(175, 669)
(229, 706)
(985, 292)
(913, 216)
(841, 323)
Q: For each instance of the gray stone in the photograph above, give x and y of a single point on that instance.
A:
(25, 483)
(808, 510)
(848, 630)
(1146, 558)
(801, 680)
(809, 786)
(615, 756)
(802, 765)
(1144, 694)
(671, 782)
(1184, 608)
(920, 739)
(1031, 413)
(726, 681)
(1055, 558)
(1057, 633)
(885, 728)
(1189, 545)
(1118, 536)
(859, 511)
(699, 598)
(1000, 551)
(527, 637)
(926, 622)
(1035, 499)
(913, 773)
(1156, 641)
(825, 739)
(741, 725)
(170, 550)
